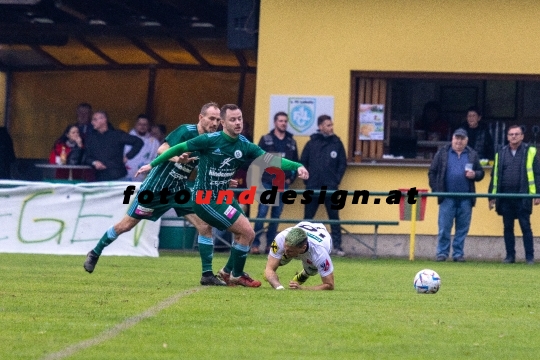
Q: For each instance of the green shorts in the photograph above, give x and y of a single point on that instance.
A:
(220, 216)
(154, 209)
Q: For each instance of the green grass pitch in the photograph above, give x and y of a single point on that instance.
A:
(154, 308)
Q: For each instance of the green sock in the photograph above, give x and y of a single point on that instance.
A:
(207, 253)
(105, 240)
(229, 265)
(239, 260)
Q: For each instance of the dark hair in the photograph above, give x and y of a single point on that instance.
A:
(143, 116)
(521, 127)
(84, 105)
(280, 113)
(226, 107)
(322, 119)
(63, 138)
(207, 106)
(161, 128)
(475, 109)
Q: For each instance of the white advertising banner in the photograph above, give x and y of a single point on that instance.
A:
(303, 111)
(49, 218)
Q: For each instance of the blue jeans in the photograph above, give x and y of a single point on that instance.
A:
(275, 213)
(461, 211)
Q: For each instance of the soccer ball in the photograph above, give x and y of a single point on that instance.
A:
(427, 282)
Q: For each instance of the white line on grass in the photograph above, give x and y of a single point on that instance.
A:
(126, 324)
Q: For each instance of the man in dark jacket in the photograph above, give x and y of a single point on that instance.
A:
(324, 157)
(478, 133)
(105, 149)
(516, 171)
(7, 154)
(279, 140)
(454, 169)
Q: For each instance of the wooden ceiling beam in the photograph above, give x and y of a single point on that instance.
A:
(85, 42)
(57, 63)
(193, 52)
(147, 50)
(186, 67)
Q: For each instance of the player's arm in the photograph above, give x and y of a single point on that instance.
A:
(327, 284)
(294, 166)
(176, 150)
(270, 273)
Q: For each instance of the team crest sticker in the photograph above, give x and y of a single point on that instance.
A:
(238, 154)
(274, 247)
(301, 113)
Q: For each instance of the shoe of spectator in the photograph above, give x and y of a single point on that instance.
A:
(91, 261)
(212, 280)
(223, 276)
(459, 259)
(255, 251)
(244, 280)
(440, 258)
(509, 260)
(530, 262)
(338, 252)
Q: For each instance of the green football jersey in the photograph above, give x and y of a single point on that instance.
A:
(220, 157)
(171, 175)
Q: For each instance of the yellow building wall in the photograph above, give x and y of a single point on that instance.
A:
(3, 83)
(44, 103)
(310, 47)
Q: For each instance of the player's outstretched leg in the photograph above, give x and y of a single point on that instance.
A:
(125, 225)
(205, 244)
(244, 235)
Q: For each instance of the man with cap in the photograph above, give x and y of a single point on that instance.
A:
(309, 243)
(454, 169)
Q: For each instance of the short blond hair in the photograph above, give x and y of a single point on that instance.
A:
(296, 237)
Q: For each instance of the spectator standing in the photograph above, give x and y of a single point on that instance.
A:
(279, 140)
(324, 158)
(478, 133)
(454, 169)
(84, 118)
(516, 170)
(159, 131)
(148, 151)
(105, 149)
(7, 154)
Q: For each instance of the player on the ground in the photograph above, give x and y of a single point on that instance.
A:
(221, 154)
(309, 243)
(171, 175)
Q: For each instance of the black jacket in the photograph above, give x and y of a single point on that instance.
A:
(109, 149)
(480, 140)
(524, 184)
(326, 161)
(7, 154)
(437, 171)
(291, 153)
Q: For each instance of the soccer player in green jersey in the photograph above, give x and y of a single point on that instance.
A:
(220, 155)
(171, 175)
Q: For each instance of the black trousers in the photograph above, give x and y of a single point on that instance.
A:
(311, 209)
(512, 209)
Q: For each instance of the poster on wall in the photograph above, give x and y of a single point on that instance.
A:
(303, 111)
(371, 118)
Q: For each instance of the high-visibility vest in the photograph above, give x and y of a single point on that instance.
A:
(531, 153)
